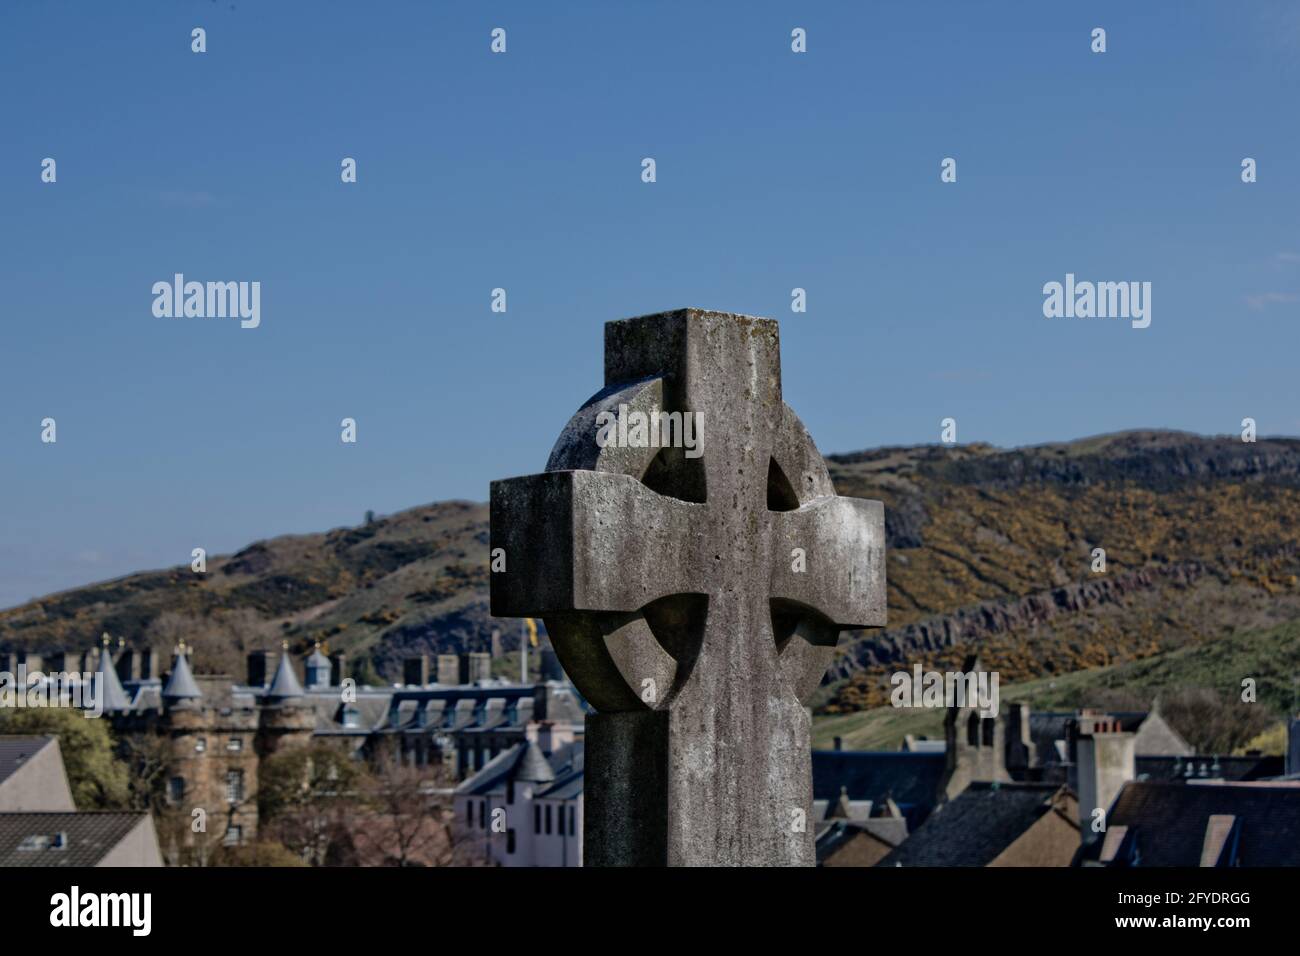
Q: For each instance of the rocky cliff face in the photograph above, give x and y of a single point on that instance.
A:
(994, 550)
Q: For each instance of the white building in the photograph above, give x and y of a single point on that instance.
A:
(524, 808)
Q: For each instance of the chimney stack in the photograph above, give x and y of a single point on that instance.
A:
(257, 669)
(415, 670)
(476, 666)
(125, 662)
(151, 662)
(1106, 761)
(448, 669)
(1020, 743)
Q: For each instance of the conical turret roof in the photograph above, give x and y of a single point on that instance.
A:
(107, 686)
(533, 766)
(181, 685)
(285, 685)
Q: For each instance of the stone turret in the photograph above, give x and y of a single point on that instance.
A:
(286, 717)
(213, 755)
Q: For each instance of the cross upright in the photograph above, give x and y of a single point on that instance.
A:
(694, 596)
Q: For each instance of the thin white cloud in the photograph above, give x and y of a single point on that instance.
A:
(1263, 300)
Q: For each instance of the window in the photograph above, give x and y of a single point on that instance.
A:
(482, 815)
(510, 792)
(201, 745)
(351, 717)
(234, 786)
(176, 789)
(548, 819)
(510, 840)
(537, 818)
(41, 841)
(573, 814)
(234, 836)
(469, 812)
(234, 745)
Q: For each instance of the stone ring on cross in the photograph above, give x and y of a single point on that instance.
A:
(694, 568)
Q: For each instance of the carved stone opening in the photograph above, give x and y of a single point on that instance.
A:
(781, 495)
(672, 474)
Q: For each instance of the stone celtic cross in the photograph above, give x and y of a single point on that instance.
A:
(694, 598)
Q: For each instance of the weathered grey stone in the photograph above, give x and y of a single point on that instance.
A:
(669, 589)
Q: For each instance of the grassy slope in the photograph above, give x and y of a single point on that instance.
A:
(1270, 657)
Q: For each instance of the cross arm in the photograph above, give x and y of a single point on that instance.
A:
(843, 559)
(589, 541)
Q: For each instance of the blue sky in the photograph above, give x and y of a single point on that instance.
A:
(522, 171)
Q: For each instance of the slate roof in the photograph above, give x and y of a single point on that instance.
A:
(568, 763)
(532, 766)
(90, 836)
(974, 828)
(1045, 729)
(494, 771)
(562, 773)
(16, 751)
(890, 831)
(1167, 822)
(911, 779)
(1174, 769)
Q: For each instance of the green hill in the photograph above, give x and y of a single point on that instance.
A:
(988, 549)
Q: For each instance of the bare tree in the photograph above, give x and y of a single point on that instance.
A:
(408, 815)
